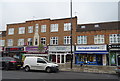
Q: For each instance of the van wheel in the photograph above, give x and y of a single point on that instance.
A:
(48, 70)
(27, 68)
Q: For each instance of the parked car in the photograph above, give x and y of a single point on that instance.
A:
(118, 70)
(39, 63)
(10, 63)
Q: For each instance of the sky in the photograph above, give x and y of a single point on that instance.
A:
(87, 11)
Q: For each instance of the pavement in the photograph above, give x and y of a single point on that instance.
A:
(88, 68)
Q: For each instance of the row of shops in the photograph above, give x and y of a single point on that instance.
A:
(87, 54)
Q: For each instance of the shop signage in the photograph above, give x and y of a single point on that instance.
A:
(60, 48)
(91, 47)
(115, 46)
(35, 49)
(15, 49)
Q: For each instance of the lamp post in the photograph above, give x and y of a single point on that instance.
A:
(71, 34)
(109, 55)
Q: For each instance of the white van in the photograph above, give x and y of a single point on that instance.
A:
(39, 63)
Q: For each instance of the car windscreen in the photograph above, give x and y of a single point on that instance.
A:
(7, 59)
(47, 60)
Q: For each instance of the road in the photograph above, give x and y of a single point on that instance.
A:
(20, 74)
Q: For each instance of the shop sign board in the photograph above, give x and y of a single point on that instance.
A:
(60, 48)
(35, 49)
(15, 49)
(91, 47)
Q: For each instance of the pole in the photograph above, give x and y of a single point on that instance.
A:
(71, 35)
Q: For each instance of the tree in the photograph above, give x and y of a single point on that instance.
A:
(41, 47)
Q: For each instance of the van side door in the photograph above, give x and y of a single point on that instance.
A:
(41, 64)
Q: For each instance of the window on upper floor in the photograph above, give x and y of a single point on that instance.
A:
(10, 42)
(10, 31)
(83, 26)
(30, 29)
(21, 30)
(67, 39)
(2, 42)
(43, 28)
(96, 25)
(36, 28)
(30, 41)
(81, 39)
(20, 42)
(54, 41)
(114, 38)
(43, 40)
(54, 27)
(99, 39)
(67, 26)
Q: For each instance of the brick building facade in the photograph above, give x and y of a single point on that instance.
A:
(91, 42)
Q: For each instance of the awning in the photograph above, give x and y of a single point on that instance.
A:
(91, 52)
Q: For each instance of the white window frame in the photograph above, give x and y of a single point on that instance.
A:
(21, 30)
(10, 42)
(81, 39)
(43, 41)
(53, 40)
(67, 39)
(114, 38)
(10, 31)
(96, 25)
(99, 39)
(21, 42)
(29, 41)
(83, 27)
(67, 26)
(36, 28)
(30, 29)
(54, 27)
(43, 28)
(2, 42)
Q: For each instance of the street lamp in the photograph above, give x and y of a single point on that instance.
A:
(71, 34)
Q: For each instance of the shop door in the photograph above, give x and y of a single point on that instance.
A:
(99, 59)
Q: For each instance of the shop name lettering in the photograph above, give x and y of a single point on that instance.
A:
(62, 48)
(90, 48)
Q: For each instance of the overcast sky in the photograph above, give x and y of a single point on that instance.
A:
(87, 11)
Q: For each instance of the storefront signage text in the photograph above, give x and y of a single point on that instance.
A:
(91, 47)
(60, 48)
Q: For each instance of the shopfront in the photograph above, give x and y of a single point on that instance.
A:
(114, 50)
(34, 51)
(91, 54)
(15, 52)
(60, 54)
